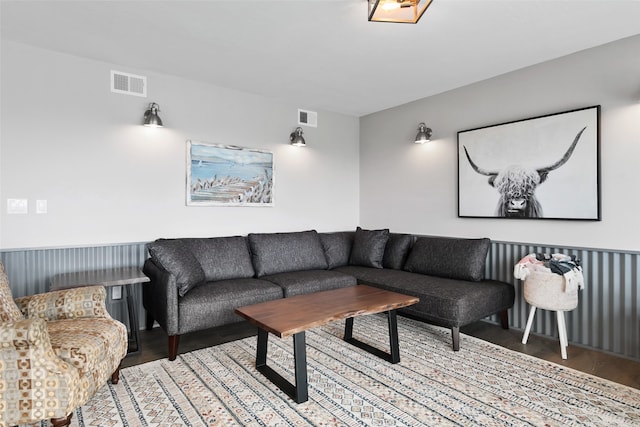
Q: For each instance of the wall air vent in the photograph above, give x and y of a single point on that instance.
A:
(128, 84)
(308, 118)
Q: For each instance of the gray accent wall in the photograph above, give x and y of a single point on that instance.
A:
(414, 188)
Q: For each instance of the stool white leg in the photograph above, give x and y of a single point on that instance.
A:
(562, 332)
(525, 337)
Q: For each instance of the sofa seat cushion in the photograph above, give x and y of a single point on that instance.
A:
(88, 342)
(309, 281)
(448, 302)
(274, 253)
(213, 303)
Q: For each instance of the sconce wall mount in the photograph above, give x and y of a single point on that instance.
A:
(297, 139)
(424, 134)
(151, 118)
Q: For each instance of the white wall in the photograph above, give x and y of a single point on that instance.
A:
(67, 139)
(413, 188)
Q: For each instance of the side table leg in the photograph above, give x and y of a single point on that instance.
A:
(134, 324)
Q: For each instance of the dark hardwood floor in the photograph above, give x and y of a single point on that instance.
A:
(601, 364)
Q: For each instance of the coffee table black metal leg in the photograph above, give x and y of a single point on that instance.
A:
(298, 392)
(394, 354)
(394, 345)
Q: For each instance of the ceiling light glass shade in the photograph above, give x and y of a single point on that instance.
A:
(403, 11)
(424, 134)
(297, 139)
(151, 118)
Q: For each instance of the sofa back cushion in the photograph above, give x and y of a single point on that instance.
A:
(174, 256)
(337, 247)
(452, 258)
(273, 253)
(368, 247)
(397, 250)
(222, 258)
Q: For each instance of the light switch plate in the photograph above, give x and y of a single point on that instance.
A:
(41, 206)
(17, 206)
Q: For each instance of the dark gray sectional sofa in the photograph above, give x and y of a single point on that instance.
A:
(196, 283)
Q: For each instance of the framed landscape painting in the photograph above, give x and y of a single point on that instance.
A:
(545, 167)
(226, 175)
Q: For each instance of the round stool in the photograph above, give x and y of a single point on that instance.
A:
(547, 291)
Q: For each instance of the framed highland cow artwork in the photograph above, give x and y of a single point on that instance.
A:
(226, 175)
(545, 167)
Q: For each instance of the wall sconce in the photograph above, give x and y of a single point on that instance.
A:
(402, 11)
(424, 134)
(297, 139)
(151, 118)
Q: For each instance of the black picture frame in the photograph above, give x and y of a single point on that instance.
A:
(545, 167)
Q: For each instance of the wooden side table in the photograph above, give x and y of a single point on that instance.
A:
(126, 277)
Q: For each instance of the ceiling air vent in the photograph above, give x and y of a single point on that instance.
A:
(129, 84)
(307, 118)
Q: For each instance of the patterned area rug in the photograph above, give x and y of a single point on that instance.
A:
(481, 385)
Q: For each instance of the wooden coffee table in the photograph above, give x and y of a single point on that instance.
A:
(294, 315)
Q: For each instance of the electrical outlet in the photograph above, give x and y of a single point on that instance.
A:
(116, 292)
(41, 206)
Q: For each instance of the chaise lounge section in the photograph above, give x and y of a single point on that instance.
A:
(196, 283)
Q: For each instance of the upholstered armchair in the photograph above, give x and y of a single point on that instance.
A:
(56, 350)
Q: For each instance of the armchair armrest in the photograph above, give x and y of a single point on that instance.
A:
(72, 303)
(28, 339)
(26, 358)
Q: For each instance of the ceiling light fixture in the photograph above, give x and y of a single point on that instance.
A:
(402, 11)
(424, 134)
(151, 118)
(297, 139)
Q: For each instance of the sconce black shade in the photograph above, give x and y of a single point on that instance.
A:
(424, 134)
(151, 118)
(297, 139)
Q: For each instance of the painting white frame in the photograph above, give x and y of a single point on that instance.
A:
(227, 175)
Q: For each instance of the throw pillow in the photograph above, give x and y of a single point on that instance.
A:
(337, 247)
(397, 251)
(447, 257)
(174, 256)
(368, 247)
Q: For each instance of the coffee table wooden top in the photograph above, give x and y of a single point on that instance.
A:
(288, 316)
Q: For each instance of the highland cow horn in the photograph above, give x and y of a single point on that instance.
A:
(544, 171)
(476, 168)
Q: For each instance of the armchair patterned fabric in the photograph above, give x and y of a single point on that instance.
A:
(56, 350)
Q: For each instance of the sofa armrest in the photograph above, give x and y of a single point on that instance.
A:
(160, 296)
(72, 303)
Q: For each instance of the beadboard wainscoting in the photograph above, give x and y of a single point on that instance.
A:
(607, 317)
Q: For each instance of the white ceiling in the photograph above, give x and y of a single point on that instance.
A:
(321, 54)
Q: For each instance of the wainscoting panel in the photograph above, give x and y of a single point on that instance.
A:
(30, 271)
(608, 313)
(607, 317)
